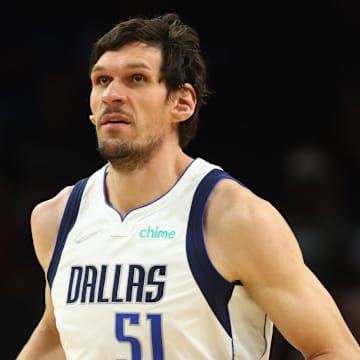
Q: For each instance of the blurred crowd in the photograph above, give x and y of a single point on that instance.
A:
(284, 119)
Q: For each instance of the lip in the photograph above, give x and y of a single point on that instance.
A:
(114, 118)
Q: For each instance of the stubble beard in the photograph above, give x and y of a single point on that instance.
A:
(127, 156)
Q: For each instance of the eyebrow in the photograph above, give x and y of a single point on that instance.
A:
(128, 66)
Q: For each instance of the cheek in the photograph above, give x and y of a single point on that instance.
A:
(92, 115)
(94, 101)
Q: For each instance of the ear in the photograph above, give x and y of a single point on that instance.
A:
(92, 119)
(185, 102)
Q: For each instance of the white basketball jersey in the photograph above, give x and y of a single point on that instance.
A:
(141, 287)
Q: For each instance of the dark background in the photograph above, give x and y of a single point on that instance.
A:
(284, 119)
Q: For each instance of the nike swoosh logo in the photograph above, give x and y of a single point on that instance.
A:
(79, 238)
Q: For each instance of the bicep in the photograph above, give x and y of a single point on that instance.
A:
(302, 310)
(273, 271)
(44, 342)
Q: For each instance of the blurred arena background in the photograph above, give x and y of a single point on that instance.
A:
(285, 119)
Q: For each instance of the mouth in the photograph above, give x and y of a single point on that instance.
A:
(114, 118)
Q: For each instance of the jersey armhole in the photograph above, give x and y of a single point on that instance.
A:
(67, 222)
(216, 290)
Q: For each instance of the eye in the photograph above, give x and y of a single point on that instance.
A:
(138, 78)
(103, 80)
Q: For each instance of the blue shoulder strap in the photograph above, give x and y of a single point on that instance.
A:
(214, 287)
(67, 222)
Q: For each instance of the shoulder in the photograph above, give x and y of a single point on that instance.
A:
(244, 228)
(55, 203)
(232, 201)
(45, 220)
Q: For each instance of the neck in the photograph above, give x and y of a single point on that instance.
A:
(127, 190)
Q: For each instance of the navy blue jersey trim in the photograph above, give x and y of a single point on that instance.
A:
(214, 287)
(67, 222)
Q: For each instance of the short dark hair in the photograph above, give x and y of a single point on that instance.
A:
(182, 61)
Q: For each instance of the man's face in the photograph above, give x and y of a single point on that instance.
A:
(130, 107)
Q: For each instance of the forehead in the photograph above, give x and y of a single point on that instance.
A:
(131, 55)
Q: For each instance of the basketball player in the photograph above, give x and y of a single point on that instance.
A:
(158, 255)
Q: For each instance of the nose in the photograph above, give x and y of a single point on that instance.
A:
(114, 92)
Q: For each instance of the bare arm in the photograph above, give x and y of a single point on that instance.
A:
(259, 248)
(44, 342)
